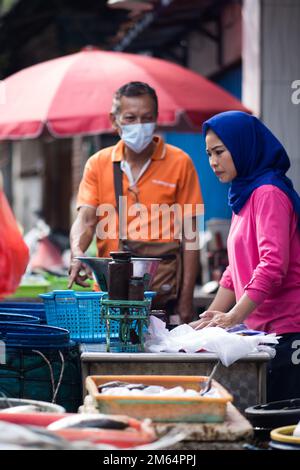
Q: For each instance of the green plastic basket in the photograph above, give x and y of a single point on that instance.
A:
(130, 318)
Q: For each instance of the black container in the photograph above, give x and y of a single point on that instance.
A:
(136, 288)
(276, 445)
(120, 270)
(273, 415)
(161, 314)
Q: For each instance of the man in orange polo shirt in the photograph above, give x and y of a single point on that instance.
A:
(155, 177)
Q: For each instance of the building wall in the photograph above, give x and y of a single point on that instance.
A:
(214, 193)
(231, 80)
(271, 63)
(280, 67)
(203, 51)
(251, 55)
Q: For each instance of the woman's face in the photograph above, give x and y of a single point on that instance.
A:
(220, 158)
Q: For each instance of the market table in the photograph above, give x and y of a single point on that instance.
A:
(232, 434)
(245, 379)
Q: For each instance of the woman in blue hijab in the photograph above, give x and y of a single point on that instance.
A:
(261, 285)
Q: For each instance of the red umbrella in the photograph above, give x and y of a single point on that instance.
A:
(72, 95)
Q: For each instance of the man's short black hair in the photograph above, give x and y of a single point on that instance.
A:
(133, 89)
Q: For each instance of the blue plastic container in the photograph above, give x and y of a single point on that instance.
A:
(23, 305)
(35, 310)
(149, 295)
(78, 312)
(31, 335)
(13, 317)
(41, 363)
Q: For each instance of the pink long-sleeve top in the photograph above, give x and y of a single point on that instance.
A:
(264, 260)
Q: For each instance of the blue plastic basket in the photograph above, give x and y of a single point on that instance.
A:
(78, 312)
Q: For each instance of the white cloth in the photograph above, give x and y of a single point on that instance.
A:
(229, 347)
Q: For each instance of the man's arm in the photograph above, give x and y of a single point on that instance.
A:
(81, 236)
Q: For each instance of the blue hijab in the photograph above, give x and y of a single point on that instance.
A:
(259, 157)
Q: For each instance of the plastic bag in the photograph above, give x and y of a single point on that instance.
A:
(14, 253)
(229, 347)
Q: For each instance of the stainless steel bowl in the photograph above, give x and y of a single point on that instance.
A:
(99, 266)
(142, 267)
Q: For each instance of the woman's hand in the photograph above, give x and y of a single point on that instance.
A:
(205, 318)
(215, 318)
(236, 315)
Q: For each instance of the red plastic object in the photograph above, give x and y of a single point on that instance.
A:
(138, 432)
(14, 254)
(128, 438)
(33, 419)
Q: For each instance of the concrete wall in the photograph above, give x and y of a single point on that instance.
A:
(280, 67)
(251, 55)
(271, 63)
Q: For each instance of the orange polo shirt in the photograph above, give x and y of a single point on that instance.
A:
(170, 179)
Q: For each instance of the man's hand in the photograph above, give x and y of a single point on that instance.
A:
(81, 236)
(79, 273)
(184, 310)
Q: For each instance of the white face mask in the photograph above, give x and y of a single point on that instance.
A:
(137, 136)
